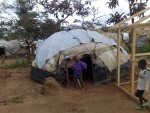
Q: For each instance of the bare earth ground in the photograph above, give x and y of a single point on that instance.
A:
(16, 83)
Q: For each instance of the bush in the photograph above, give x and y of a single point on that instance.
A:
(20, 63)
(143, 49)
(126, 49)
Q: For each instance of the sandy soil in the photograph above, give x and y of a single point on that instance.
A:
(19, 94)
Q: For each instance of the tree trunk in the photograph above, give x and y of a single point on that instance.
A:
(28, 53)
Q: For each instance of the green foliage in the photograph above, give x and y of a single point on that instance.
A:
(5, 28)
(116, 18)
(104, 28)
(95, 20)
(62, 9)
(26, 25)
(48, 27)
(134, 7)
(20, 63)
(16, 99)
(113, 4)
(143, 49)
(126, 48)
(31, 25)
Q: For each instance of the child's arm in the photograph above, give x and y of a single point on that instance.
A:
(84, 65)
(147, 80)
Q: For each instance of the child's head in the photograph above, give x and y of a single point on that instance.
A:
(142, 63)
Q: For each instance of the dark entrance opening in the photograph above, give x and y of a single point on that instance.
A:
(94, 73)
(87, 73)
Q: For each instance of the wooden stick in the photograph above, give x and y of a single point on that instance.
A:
(133, 26)
(67, 73)
(127, 83)
(141, 54)
(118, 56)
(129, 94)
(141, 20)
(132, 72)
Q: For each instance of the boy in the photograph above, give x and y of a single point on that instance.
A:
(143, 84)
(78, 66)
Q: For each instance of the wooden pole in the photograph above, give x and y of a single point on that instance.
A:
(130, 95)
(141, 54)
(144, 25)
(148, 33)
(132, 72)
(118, 56)
(127, 83)
(141, 20)
(67, 73)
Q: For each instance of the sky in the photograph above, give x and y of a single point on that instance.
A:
(103, 8)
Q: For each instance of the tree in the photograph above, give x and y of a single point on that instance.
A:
(116, 18)
(134, 7)
(30, 26)
(6, 30)
(5, 23)
(62, 9)
(4, 6)
(48, 27)
(93, 22)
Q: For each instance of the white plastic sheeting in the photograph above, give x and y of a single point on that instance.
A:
(10, 46)
(37, 43)
(65, 40)
(106, 56)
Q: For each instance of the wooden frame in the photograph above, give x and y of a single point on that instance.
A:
(118, 28)
(137, 14)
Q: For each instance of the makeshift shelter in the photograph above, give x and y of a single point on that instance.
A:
(51, 55)
(10, 47)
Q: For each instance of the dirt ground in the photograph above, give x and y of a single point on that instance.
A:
(19, 94)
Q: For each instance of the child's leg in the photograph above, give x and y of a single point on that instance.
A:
(141, 100)
(139, 94)
(74, 82)
(81, 82)
(145, 103)
(145, 100)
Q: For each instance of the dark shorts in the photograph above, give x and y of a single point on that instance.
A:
(77, 76)
(139, 93)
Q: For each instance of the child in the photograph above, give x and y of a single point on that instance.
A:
(78, 67)
(2, 54)
(143, 84)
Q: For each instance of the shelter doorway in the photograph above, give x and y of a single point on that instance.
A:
(94, 73)
(87, 73)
